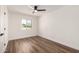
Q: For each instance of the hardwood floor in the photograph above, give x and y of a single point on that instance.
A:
(37, 45)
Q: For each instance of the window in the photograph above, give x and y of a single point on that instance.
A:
(26, 24)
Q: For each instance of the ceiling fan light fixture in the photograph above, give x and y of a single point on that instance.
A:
(35, 11)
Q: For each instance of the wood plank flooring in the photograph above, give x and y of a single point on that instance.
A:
(37, 44)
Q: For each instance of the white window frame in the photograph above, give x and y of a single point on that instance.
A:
(25, 22)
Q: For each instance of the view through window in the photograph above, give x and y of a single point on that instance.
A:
(26, 24)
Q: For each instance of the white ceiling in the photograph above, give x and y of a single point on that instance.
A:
(27, 10)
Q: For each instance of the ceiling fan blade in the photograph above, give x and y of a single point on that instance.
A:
(33, 12)
(41, 10)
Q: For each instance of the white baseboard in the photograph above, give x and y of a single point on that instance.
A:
(53, 39)
(14, 38)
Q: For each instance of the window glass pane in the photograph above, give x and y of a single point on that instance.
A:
(29, 24)
(24, 24)
(23, 21)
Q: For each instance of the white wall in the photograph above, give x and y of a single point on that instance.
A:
(14, 23)
(61, 26)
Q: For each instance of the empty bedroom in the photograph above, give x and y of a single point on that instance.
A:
(39, 29)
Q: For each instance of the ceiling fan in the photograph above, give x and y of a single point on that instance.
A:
(35, 9)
